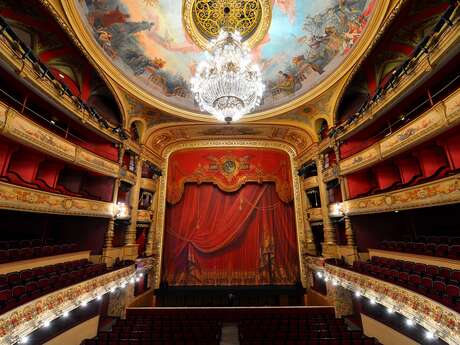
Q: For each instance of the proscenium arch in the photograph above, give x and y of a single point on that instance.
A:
(202, 144)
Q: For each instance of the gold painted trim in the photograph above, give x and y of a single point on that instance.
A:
(23, 130)
(29, 317)
(427, 312)
(73, 16)
(203, 42)
(438, 119)
(424, 67)
(200, 144)
(19, 198)
(441, 192)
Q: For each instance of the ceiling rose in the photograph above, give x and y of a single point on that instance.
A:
(204, 19)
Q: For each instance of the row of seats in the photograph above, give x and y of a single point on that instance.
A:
(438, 283)
(294, 332)
(17, 288)
(160, 332)
(16, 254)
(438, 239)
(432, 249)
(17, 244)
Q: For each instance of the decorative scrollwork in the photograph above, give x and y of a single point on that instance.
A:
(210, 16)
(203, 19)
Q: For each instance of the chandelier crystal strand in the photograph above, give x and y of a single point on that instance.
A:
(228, 84)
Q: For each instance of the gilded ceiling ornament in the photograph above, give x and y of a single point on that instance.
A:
(204, 19)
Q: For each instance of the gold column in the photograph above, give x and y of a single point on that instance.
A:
(130, 237)
(109, 234)
(330, 243)
(309, 246)
(349, 233)
(151, 233)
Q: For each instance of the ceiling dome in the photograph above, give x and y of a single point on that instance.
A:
(157, 44)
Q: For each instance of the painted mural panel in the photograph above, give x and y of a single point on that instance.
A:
(307, 40)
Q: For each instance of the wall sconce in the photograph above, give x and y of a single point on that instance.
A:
(121, 210)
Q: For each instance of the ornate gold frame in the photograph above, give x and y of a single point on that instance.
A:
(198, 144)
(202, 42)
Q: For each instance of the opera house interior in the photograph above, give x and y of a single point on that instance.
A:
(226, 172)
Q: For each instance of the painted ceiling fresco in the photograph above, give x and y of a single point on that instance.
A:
(307, 40)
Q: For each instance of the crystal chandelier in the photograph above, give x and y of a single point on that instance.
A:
(228, 84)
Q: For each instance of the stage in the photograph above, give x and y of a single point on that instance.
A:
(230, 296)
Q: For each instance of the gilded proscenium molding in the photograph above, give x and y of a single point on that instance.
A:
(17, 127)
(310, 182)
(26, 70)
(441, 192)
(425, 311)
(30, 316)
(315, 214)
(144, 216)
(148, 184)
(69, 9)
(441, 117)
(19, 198)
(445, 45)
(200, 144)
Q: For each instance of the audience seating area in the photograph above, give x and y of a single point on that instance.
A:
(440, 246)
(27, 249)
(17, 288)
(300, 330)
(257, 326)
(439, 283)
(161, 330)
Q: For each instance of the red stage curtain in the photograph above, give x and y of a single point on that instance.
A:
(246, 237)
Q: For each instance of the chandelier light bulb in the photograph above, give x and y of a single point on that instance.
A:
(24, 340)
(357, 294)
(410, 322)
(228, 84)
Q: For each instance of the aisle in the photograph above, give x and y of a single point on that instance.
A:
(229, 334)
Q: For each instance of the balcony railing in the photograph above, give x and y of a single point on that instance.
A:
(441, 192)
(438, 119)
(23, 320)
(439, 319)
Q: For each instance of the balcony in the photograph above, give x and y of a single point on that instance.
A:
(310, 182)
(144, 216)
(148, 184)
(20, 129)
(30, 316)
(315, 214)
(19, 198)
(441, 192)
(438, 119)
(414, 306)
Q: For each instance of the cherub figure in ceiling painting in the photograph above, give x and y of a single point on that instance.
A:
(328, 35)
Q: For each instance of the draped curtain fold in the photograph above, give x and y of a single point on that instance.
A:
(246, 237)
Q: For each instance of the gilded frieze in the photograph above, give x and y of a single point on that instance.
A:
(20, 198)
(424, 127)
(360, 160)
(30, 316)
(144, 216)
(88, 159)
(452, 107)
(441, 192)
(412, 305)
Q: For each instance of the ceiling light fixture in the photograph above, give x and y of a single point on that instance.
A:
(228, 84)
